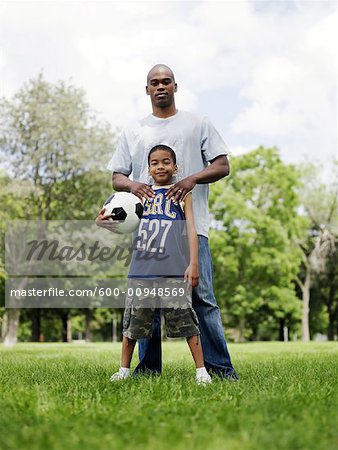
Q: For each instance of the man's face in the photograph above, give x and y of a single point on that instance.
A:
(161, 87)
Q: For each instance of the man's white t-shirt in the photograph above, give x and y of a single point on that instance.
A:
(194, 140)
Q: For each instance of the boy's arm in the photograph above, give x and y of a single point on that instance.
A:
(191, 274)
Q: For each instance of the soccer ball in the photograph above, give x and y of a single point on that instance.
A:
(126, 208)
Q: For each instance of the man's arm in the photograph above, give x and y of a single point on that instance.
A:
(122, 183)
(218, 168)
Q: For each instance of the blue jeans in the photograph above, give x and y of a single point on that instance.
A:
(216, 356)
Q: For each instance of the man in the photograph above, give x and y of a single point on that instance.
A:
(201, 159)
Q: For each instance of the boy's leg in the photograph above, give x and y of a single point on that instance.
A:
(128, 346)
(195, 346)
(216, 355)
(202, 376)
(137, 323)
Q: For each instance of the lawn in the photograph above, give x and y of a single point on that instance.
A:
(57, 396)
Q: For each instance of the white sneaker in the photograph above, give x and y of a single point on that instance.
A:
(122, 374)
(203, 378)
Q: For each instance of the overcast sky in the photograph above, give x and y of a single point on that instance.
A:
(264, 71)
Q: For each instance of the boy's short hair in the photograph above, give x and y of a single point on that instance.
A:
(162, 147)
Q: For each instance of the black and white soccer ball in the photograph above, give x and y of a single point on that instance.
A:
(126, 208)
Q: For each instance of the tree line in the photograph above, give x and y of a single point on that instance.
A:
(273, 237)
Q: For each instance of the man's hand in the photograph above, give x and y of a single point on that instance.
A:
(191, 275)
(180, 189)
(106, 222)
(122, 183)
(141, 190)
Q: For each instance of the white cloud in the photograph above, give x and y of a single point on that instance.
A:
(291, 97)
(277, 57)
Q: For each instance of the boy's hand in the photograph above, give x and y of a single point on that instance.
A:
(142, 191)
(191, 275)
(106, 222)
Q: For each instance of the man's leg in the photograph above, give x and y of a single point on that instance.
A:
(150, 350)
(216, 355)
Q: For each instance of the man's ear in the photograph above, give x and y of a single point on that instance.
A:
(147, 92)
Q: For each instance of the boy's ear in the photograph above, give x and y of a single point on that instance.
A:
(175, 168)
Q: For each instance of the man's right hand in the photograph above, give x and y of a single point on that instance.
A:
(122, 183)
(106, 222)
(141, 190)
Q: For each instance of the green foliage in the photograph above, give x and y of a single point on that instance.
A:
(55, 149)
(53, 141)
(254, 246)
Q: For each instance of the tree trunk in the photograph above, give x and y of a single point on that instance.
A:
(114, 330)
(66, 327)
(88, 316)
(4, 325)
(306, 307)
(69, 330)
(119, 324)
(241, 329)
(331, 311)
(36, 325)
(11, 336)
(281, 329)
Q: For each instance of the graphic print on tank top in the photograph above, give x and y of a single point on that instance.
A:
(160, 245)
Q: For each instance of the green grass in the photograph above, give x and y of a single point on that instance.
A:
(57, 396)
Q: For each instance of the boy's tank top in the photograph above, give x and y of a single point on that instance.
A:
(160, 247)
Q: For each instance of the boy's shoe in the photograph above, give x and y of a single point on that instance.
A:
(122, 374)
(202, 376)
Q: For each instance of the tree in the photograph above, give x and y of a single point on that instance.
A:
(320, 248)
(254, 252)
(50, 139)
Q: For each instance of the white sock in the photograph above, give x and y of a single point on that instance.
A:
(124, 370)
(201, 372)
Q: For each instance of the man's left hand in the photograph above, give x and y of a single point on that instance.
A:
(180, 189)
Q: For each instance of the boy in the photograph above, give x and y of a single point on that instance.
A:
(161, 221)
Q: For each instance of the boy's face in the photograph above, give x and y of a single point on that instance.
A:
(162, 167)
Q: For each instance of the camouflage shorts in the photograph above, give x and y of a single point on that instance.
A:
(180, 318)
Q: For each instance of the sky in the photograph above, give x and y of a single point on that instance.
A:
(263, 71)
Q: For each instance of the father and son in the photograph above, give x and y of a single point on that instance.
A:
(172, 156)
